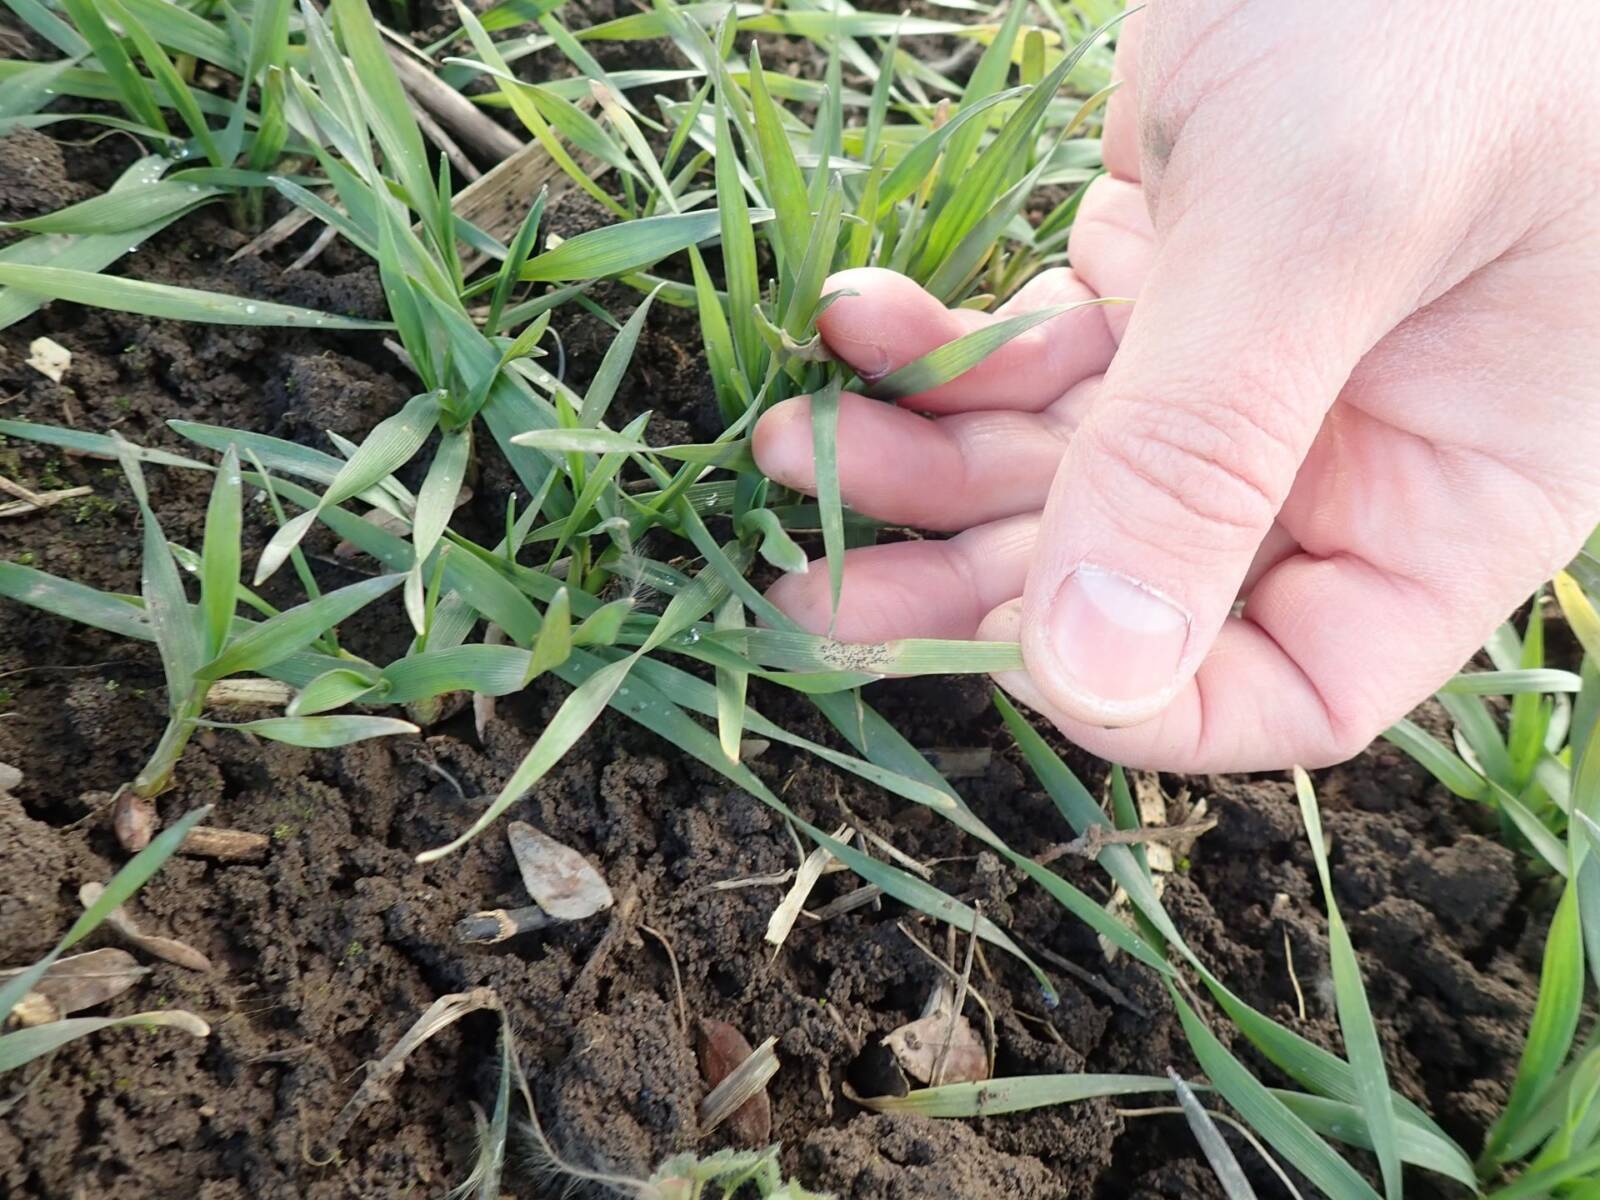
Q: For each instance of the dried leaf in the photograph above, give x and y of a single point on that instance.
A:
(168, 949)
(50, 359)
(738, 1079)
(918, 1045)
(83, 981)
(559, 879)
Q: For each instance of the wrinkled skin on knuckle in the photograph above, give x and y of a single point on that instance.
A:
(1197, 477)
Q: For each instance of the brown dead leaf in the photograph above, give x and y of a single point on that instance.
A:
(560, 880)
(918, 1045)
(723, 1051)
(82, 981)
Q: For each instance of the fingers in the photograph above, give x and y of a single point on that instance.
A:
(934, 589)
(1244, 335)
(890, 322)
(1329, 653)
(949, 473)
(1374, 588)
(1248, 708)
(1119, 144)
(1112, 245)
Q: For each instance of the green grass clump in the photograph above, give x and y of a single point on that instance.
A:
(937, 190)
(1525, 771)
(736, 193)
(202, 643)
(202, 85)
(1547, 1138)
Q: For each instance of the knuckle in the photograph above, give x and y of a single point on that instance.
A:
(1348, 737)
(1211, 472)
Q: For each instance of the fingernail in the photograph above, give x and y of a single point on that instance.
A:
(869, 359)
(1118, 641)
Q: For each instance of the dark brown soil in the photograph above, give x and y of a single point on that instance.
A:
(327, 952)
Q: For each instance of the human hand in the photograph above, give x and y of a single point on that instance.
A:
(1359, 390)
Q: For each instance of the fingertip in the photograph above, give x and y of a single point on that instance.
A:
(1003, 623)
(866, 327)
(782, 444)
(805, 598)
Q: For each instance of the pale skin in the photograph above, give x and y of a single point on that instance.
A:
(1351, 421)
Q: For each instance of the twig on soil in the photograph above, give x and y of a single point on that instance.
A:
(1110, 991)
(312, 252)
(677, 977)
(776, 879)
(280, 231)
(430, 763)
(249, 692)
(497, 924)
(452, 110)
(225, 845)
(447, 145)
(960, 1002)
(1279, 912)
(1094, 840)
(847, 903)
(1288, 957)
(1050, 1031)
(32, 502)
(885, 847)
(441, 1014)
(788, 910)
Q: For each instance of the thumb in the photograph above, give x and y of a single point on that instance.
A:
(1168, 488)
